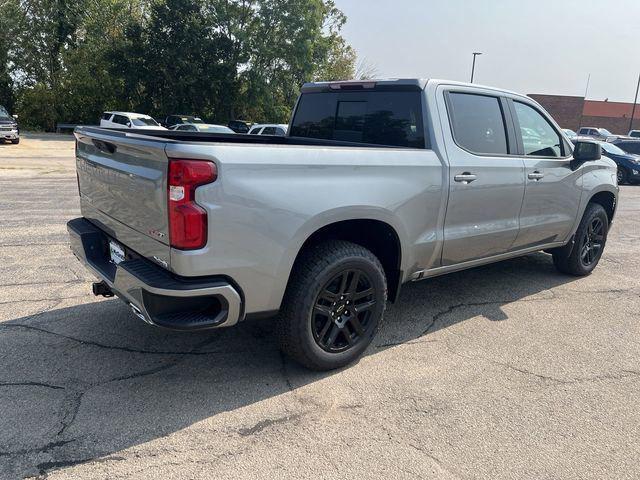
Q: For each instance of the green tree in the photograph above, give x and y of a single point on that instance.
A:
(11, 22)
(221, 59)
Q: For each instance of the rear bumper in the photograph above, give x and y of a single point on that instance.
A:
(156, 295)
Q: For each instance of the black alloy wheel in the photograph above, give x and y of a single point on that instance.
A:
(592, 242)
(333, 306)
(341, 315)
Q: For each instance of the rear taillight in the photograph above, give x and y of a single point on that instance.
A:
(187, 219)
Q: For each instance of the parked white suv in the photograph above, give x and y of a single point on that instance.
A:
(269, 129)
(634, 133)
(129, 120)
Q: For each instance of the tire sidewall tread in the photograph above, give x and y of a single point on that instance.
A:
(567, 260)
(316, 266)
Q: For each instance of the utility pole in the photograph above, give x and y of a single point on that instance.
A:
(633, 110)
(586, 90)
(473, 65)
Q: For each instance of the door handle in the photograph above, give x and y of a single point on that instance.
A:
(536, 176)
(104, 147)
(465, 177)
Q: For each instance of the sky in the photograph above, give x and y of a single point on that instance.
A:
(529, 46)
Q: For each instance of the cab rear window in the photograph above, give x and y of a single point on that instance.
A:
(378, 118)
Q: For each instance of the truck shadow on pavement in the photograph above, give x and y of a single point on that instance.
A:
(88, 381)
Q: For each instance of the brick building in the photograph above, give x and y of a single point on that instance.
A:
(574, 112)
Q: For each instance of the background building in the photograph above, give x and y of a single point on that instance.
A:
(574, 112)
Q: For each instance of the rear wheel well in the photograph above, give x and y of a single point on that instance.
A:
(378, 237)
(608, 202)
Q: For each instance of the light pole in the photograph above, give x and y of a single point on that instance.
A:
(633, 110)
(584, 100)
(473, 65)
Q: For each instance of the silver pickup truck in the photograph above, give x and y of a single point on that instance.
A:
(377, 183)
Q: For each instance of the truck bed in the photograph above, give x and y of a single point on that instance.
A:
(203, 137)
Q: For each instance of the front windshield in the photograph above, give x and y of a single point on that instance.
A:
(611, 148)
(144, 122)
(215, 129)
(3, 112)
(191, 120)
(604, 131)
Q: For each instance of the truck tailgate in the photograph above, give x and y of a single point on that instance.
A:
(123, 189)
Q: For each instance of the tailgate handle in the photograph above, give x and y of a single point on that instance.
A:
(104, 147)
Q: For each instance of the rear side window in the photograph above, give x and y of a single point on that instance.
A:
(120, 119)
(539, 138)
(378, 118)
(106, 116)
(478, 123)
(269, 131)
(630, 147)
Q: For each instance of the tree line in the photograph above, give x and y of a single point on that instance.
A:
(70, 60)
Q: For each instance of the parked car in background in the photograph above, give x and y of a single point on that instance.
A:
(9, 129)
(628, 163)
(596, 133)
(172, 120)
(634, 133)
(629, 146)
(129, 120)
(278, 129)
(573, 136)
(240, 126)
(377, 183)
(202, 127)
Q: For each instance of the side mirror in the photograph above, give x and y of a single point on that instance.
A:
(585, 152)
(129, 124)
(15, 116)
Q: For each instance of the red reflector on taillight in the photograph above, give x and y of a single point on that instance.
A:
(187, 219)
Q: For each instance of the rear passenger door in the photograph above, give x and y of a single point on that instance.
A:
(486, 179)
(552, 188)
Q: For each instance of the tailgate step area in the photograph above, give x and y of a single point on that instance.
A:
(154, 294)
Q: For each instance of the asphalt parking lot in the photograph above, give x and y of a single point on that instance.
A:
(507, 371)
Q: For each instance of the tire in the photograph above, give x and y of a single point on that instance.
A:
(16, 141)
(328, 317)
(622, 175)
(583, 256)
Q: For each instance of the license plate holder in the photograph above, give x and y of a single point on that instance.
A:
(116, 252)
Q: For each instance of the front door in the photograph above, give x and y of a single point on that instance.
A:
(486, 182)
(552, 188)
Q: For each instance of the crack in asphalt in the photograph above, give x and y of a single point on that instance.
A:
(437, 316)
(31, 384)
(71, 406)
(263, 424)
(435, 459)
(45, 448)
(36, 300)
(105, 346)
(548, 378)
(37, 284)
